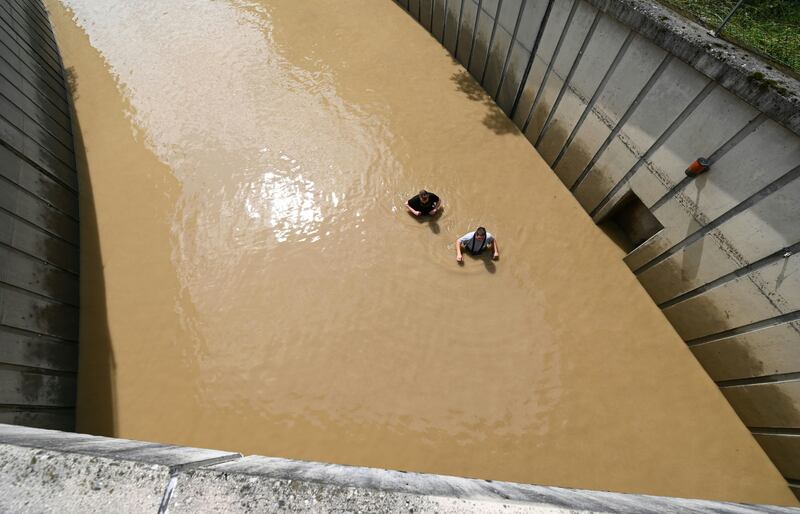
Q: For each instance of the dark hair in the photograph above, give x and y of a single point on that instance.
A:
(422, 192)
(480, 231)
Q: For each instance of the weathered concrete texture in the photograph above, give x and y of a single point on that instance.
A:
(511, 85)
(39, 237)
(46, 481)
(768, 351)
(544, 52)
(665, 101)
(598, 57)
(60, 419)
(786, 448)
(762, 157)
(755, 233)
(48, 471)
(723, 62)
(634, 70)
(571, 43)
(25, 387)
(738, 301)
(770, 404)
(32, 351)
(152, 453)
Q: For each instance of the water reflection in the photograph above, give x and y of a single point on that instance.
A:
(287, 204)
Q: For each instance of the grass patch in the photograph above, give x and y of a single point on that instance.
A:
(769, 27)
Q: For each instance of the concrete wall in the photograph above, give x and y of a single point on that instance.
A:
(49, 471)
(38, 225)
(620, 96)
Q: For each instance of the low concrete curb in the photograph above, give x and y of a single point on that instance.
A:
(51, 471)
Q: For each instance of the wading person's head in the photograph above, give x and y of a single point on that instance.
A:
(424, 196)
(480, 233)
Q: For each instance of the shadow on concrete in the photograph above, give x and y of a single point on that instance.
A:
(693, 253)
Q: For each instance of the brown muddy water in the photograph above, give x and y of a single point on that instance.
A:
(251, 282)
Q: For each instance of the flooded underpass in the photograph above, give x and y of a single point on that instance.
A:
(250, 280)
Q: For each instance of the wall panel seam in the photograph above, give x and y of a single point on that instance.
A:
(624, 119)
(550, 64)
(727, 146)
(733, 275)
(676, 123)
(575, 63)
(789, 317)
(38, 258)
(742, 206)
(534, 48)
(495, 22)
(39, 199)
(504, 69)
(38, 335)
(597, 92)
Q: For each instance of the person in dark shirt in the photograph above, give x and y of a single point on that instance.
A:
(424, 204)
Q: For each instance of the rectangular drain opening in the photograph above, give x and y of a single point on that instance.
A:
(630, 223)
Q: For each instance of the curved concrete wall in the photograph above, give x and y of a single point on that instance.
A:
(620, 96)
(38, 225)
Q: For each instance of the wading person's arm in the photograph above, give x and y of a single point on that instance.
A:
(496, 249)
(459, 258)
(412, 211)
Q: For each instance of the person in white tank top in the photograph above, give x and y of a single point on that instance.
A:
(476, 242)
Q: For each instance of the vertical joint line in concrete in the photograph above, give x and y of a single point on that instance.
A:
(419, 12)
(656, 145)
(534, 48)
(474, 34)
(174, 471)
(491, 40)
(444, 21)
(733, 275)
(567, 80)
(510, 49)
(756, 197)
(163, 507)
(550, 65)
(737, 138)
(433, 4)
(628, 113)
(789, 317)
(458, 28)
(597, 92)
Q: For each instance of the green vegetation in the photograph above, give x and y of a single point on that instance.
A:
(769, 27)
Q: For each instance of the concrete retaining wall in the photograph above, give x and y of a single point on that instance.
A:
(49, 471)
(619, 96)
(38, 225)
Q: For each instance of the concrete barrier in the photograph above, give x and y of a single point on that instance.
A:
(45, 470)
(619, 97)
